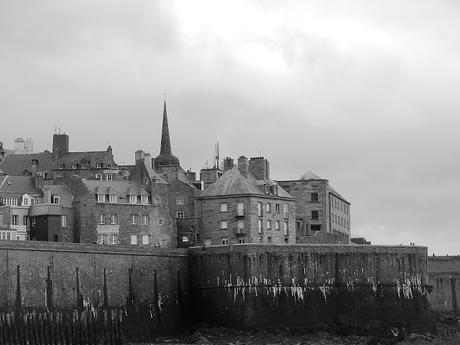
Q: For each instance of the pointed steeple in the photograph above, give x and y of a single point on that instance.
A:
(165, 140)
(165, 158)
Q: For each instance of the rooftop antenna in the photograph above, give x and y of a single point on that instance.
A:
(216, 157)
(260, 153)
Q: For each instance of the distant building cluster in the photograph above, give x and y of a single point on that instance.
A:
(87, 197)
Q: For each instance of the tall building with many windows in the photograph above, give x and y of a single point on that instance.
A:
(320, 210)
(245, 206)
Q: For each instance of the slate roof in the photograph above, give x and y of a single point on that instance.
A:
(309, 175)
(17, 185)
(47, 161)
(18, 164)
(232, 182)
(152, 174)
(63, 192)
(121, 187)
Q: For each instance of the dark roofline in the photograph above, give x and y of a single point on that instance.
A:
(270, 196)
(300, 180)
(339, 196)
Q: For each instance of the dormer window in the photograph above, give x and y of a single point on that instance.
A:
(112, 198)
(55, 199)
(144, 199)
(74, 166)
(100, 198)
(98, 165)
(61, 166)
(133, 199)
(179, 201)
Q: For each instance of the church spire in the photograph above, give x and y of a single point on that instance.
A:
(165, 158)
(165, 140)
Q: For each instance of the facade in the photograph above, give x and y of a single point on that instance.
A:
(17, 194)
(319, 208)
(117, 212)
(245, 206)
(51, 217)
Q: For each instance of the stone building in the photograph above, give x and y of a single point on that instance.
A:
(117, 212)
(245, 206)
(17, 194)
(320, 210)
(182, 187)
(61, 162)
(51, 216)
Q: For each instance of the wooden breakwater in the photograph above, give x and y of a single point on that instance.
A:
(89, 327)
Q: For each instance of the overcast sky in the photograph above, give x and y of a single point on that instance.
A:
(363, 93)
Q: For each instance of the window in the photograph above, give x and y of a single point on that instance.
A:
(145, 239)
(99, 177)
(98, 165)
(285, 229)
(25, 220)
(145, 219)
(269, 239)
(113, 238)
(285, 211)
(179, 201)
(55, 199)
(223, 225)
(241, 240)
(113, 219)
(100, 198)
(269, 224)
(61, 166)
(64, 221)
(132, 199)
(314, 197)
(156, 201)
(144, 199)
(277, 208)
(14, 220)
(133, 239)
(25, 202)
(259, 209)
(134, 218)
(223, 207)
(225, 241)
(268, 207)
(259, 225)
(161, 221)
(315, 215)
(33, 221)
(315, 227)
(112, 198)
(109, 177)
(240, 209)
(102, 218)
(240, 225)
(277, 225)
(74, 166)
(180, 214)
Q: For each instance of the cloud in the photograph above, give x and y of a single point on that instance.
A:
(360, 93)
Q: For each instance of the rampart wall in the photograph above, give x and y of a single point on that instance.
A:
(152, 283)
(360, 288)
(444, 275)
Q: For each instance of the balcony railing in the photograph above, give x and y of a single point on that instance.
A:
(239, 231)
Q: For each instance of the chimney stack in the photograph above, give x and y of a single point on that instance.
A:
(260, 168)
(243, 165)
(228, 163)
